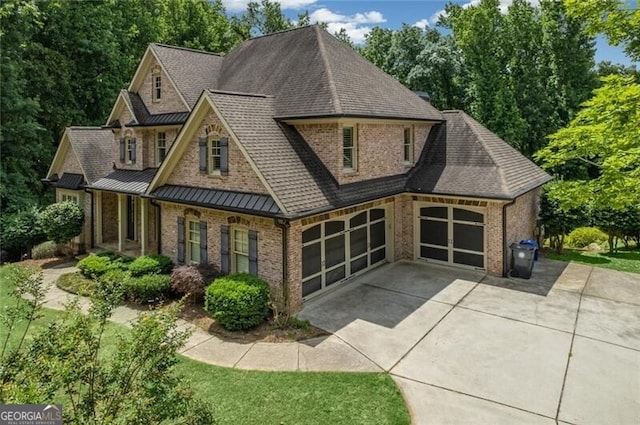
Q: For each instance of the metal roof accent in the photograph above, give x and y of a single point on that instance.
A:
(126, 181)
(221, 199)
(69, 181)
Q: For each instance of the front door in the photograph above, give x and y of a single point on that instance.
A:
(131, 218)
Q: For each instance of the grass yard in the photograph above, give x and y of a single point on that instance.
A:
(253, 397)
(623, 260)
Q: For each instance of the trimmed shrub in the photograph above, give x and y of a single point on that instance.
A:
(238, 301)
(62, 222)
(583, 236)
(20, 231)
(146, 288)
(94, 265)
(76, 283)
(150, 264)
(47, 249)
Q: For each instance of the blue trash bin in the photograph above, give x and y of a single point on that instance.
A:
(532, 243)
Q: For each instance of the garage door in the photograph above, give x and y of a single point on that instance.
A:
(336, 249)
(451, 234)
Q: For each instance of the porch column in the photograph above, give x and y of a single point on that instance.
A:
(144, 225)
(97, 214)
(122, 221)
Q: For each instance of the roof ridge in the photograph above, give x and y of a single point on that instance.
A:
(85, 127)
(237, 93)
(325, 60)
(281, 32)
(188, 49)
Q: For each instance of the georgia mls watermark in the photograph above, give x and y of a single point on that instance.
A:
(30, 414)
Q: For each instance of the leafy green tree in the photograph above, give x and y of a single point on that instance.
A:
(605, 68)
(21, 231)
(62, 221)
(134, 383)
(606, 136)
(262, 18)
(557, 221)
(377, 48)
(616, 19)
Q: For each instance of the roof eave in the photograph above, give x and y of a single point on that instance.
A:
(382, 117)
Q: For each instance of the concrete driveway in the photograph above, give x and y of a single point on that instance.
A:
(465, 348)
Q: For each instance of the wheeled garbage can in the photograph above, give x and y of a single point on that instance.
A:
(533, 243)
(521, 260)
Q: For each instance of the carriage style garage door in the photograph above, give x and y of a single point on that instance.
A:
(451, 234)
(336, 249)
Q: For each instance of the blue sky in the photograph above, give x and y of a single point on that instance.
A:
(357, 17)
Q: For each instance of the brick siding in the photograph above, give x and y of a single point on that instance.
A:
(170, 101)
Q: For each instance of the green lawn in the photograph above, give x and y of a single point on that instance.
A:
(251, 397)
(623, 260)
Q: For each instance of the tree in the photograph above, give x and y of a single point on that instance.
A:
(557, 221)
(262, 18)
(617, 20)
(21, 231)
(606, 136)
(62, 221)
(135, 382)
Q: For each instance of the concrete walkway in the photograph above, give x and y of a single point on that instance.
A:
(328, 353)
(466, 348)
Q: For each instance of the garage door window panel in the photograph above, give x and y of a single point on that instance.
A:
(311, 234)
(434, 253)
(358, 241)
(434, 232)
(359, 264)
(333, 227)
(311, 259)
(436, 212)
(335, 275)
(466, 215)
(334, 251)
(378, 235)
(468, 237)
(468, 259)
(311, 286)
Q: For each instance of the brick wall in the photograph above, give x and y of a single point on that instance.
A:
(522, 217)
(379, 148)
(150, 153)
(494, 245)
(170, 101)
(269, 238)
(70, 164)
(241, 176)
(403, 217)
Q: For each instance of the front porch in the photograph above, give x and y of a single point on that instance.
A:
(125, 223)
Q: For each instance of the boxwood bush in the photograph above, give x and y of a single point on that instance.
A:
(146, 288)
(584, 236)
(238, 301)
(150, 264)
(95, 265)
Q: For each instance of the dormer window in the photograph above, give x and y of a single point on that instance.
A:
(156, 82)
(131, 150)
(214, 152)
(408, 145)
(349, 149)
(161, 146)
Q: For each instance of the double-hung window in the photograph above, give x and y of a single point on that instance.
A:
(157, 87)
(68, 197)
(240, 251)
(408, 145)
(193, 241)
(349, 149)
(214, 155)
(161, 147)
(131, 150)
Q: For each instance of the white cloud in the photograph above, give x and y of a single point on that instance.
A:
(422, 24)
(504, 5)
(355, 25)
(241, 5)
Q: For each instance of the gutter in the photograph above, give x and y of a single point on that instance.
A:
(505, 248)
(284, 225)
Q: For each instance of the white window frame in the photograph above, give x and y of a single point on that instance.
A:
(239, 251)
(192, 236)
(156, 86)
(353, 148)
(161, 145)
(408, 146)
(66, 196)
(213, 146)
(129, 149)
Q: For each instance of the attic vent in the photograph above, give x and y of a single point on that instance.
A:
(423, 95)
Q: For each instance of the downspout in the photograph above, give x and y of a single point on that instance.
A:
(505, 248)
(284, 225)
(91, 238)
(158, 226)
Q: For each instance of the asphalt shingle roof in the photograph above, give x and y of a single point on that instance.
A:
(311, 73)
(222, 199)
(464, 158)
(94, 149)
(126, 181)
(191, 70)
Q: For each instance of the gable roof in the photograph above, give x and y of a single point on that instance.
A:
(462, 157)
(311, 73)
(91, 146)
(69, 181)
(191, 70)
